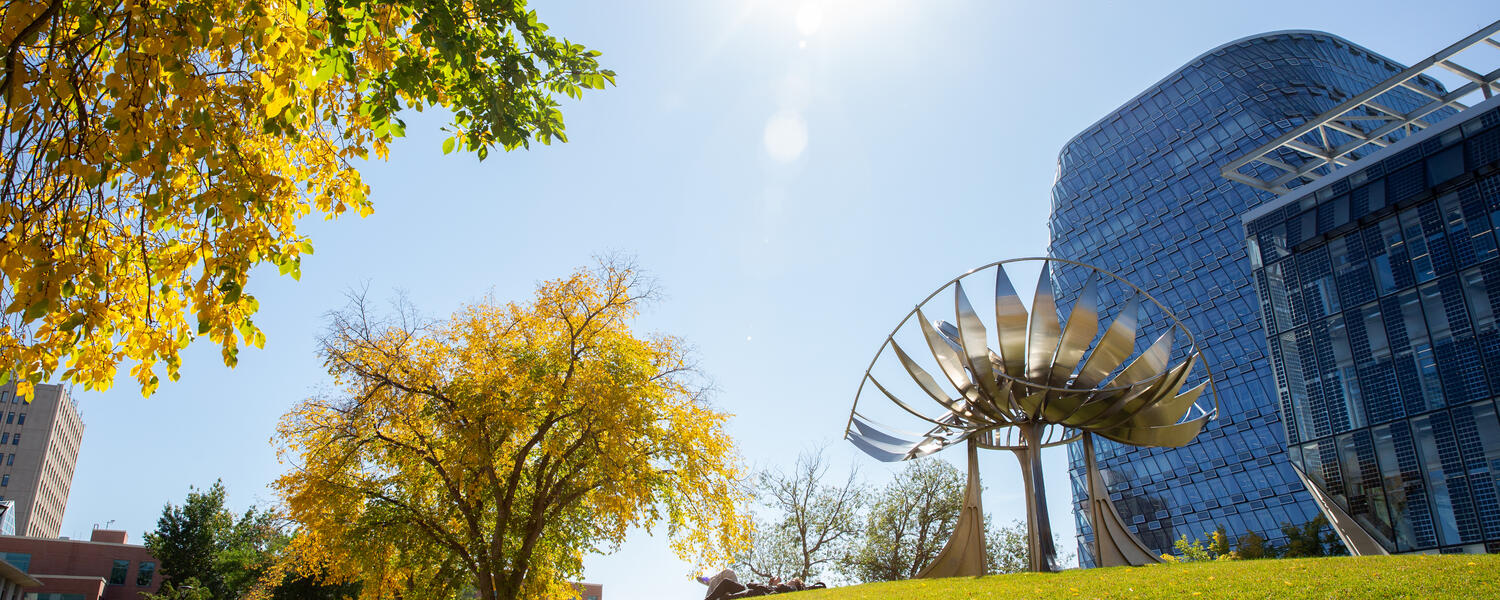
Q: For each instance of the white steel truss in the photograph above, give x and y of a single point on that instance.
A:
(1366, 122)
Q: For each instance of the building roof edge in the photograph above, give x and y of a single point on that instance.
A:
(1301, 192)
(1207, 53)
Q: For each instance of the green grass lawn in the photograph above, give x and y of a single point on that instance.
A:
(1451, 576)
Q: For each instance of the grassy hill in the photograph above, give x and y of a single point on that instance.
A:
(1421, 576)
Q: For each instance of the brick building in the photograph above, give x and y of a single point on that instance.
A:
(103, 568)
(14, 584)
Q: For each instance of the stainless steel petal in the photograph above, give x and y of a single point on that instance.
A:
(926, 382)
(1164, 388)
(1044, 330)
(939, 421)
(871, 431)
(1149, 363)
(946, 354)
(1168, 411)
(1083, 324)
(1114, 347)
(1169, 436)
(888, 446)
(876, 452)
(975, 341)
(1010, 325)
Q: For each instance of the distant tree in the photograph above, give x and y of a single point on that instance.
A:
(774, 551)
(909, 521)
(492, 450)
(1008, 548)
(208, 553)
(813, 521)
(187, 589)
(1251, 546)
(204, 542)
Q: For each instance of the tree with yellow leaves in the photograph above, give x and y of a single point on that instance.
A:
(153, 152)
(492, 450)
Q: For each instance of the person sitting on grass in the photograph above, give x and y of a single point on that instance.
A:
(726, 586)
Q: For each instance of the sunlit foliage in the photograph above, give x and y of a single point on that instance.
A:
(153, 152)
(492, 450)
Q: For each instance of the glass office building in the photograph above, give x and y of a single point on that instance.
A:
(1380, 286)
(1140, 193)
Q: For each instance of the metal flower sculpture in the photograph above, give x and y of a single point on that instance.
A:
(1043, 383)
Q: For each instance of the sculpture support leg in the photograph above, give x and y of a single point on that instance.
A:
(1114, 545)
(964, 554)
(1043, 555)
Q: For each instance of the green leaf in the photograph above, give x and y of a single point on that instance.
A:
(73, 322)
(37, 309)
(231, 292)
(305, 247)
(448, 146)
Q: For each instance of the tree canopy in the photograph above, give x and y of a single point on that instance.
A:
(493, 449)
(206, 552)
(909, 521)
(152, 153)
(812, 520)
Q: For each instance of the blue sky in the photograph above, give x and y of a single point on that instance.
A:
(795, 174)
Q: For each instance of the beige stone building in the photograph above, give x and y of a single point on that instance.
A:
(39, 443)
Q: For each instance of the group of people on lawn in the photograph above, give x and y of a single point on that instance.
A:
(726, 586)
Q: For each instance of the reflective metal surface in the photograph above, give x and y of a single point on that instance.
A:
(1041, 384)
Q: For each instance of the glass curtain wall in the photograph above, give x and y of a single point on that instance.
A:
(1390, 360)
(1139, 193)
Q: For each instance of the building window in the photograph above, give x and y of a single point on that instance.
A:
(10, 417)
(15, 440)
(117, 573)
(21, 420)
(143, 576)
(4, 438)
(19, 560)
(10, 460)
(5, 480)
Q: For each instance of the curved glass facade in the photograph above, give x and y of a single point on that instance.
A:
(1140, 193)
(1380, 291)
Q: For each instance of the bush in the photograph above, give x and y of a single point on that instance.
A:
(1191, 551)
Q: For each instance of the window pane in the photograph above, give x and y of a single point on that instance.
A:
(117, 573)
(143, 576)
(1346, 407)
(1416, 244)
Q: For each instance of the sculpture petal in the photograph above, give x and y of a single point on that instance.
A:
(1114, 347)
(906, 407)
(1083, 323)
(1010, 325)
(1044, 330)
(1168, 411)
(1149, 363)
(1169, 436)
(927, 383)
(975, 341)
(946, 354)
(878, 433)
(876, 451)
